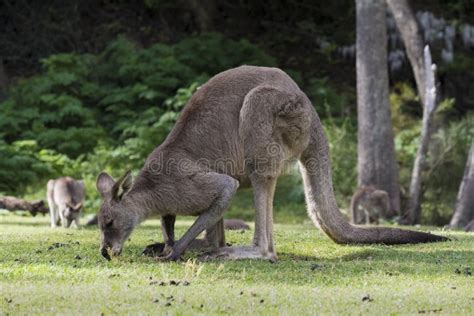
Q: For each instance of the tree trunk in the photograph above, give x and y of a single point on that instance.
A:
(464, 209)
(414, 204)
(15, 204)
(413, 40)
(376, 155)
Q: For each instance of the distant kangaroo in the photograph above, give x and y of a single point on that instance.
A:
(368, 205)
(241, 127)
(65, 199)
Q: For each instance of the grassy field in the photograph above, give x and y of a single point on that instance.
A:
(46, 271)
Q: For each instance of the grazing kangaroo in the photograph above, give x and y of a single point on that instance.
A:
(65, 198)
(241, 127)
(368, 205)
(469, 227)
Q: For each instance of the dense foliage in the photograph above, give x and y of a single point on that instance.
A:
(84, 113)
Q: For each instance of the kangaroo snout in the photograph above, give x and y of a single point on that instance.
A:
(105, 253)
(107, 250)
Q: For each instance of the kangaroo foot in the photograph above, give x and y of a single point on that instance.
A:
(154, 250)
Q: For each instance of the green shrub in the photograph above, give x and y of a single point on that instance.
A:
(87, 113)
(81, 99)
(445, 167)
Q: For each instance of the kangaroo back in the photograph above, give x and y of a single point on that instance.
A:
(65, 198)
(67, 190)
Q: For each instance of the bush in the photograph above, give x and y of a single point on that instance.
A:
(88, 113)
(81, 99)
(445, 167)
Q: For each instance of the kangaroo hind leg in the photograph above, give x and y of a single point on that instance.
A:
(262, 247)
(271, 131)
(53, 211)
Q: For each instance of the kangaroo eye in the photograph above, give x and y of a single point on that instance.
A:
(109, 224)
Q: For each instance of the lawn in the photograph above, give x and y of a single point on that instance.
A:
(59, 271)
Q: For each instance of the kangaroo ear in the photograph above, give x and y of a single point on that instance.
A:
(122, 186)
(104, 184)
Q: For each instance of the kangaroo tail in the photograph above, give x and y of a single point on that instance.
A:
(322, 208)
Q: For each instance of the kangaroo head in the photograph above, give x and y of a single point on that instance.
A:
(73, 210)
(116, 218)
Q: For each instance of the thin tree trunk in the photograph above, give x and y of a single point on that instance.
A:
(413, 40)
(464, 209)
(376, 155)
(414, 204)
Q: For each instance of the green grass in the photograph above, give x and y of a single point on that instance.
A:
(313, 275)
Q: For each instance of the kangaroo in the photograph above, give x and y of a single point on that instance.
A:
(368, 205)
(65, 199)
(469, 227)
(241, 127)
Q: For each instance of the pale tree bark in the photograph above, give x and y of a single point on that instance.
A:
(413, 40)
(464, 209)
(376, 155)
(414, 203)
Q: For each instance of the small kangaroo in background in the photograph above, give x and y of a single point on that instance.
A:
(239, 128)
(368, 205)
(65, 199)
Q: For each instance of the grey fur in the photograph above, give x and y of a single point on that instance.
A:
(239, 127)
(368, 205)
(469, 227)
(65, 200)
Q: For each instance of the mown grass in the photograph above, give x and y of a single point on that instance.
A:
(59, 271)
